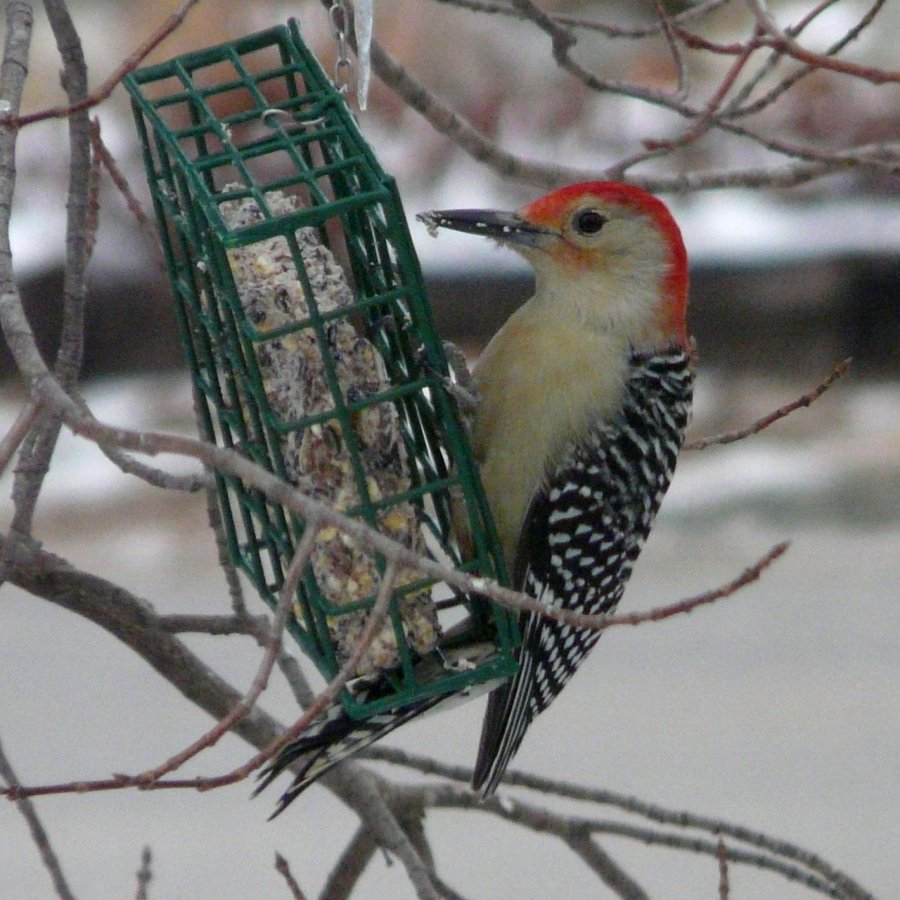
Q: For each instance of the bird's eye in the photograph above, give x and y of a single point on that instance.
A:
(589, 221)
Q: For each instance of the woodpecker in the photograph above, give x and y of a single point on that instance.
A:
(584, 396)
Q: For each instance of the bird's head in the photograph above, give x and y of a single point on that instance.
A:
(610, 254)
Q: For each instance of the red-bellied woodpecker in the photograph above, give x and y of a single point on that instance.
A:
(584, 397)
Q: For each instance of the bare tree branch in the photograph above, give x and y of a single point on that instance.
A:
(37, 449)
(807, 164)
(152, 779)
(180, 623)
(683, 87)
(148, 228)
(739, 107)
(781, 40)
(271, 646)
(17, 433)
(805, 400)
(692, 13)
(350, 865)
(705, 121)
(13, 71)
(171, 23)
(562, 826)
(153, 476)
(71, 343)
(132, 621)
(293, 675)
(827, 874)
(748, 576)
(38, 833)
(606, 868)
(308, 508)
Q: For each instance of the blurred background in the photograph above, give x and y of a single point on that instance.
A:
(776, 709)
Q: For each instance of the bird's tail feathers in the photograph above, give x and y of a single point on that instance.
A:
(337, 738)
(505, 723)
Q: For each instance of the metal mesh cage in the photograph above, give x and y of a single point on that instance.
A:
(313, 350)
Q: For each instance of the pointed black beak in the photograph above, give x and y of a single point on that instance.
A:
(501, 226)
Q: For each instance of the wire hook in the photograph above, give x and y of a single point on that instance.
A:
(274, 112)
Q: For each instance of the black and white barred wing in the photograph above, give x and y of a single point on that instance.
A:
(582, 534)
(551, 651)
(335, 736)
(331, 740)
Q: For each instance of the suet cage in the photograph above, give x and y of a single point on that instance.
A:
(313, 352)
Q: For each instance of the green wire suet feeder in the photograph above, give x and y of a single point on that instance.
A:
(313, 352)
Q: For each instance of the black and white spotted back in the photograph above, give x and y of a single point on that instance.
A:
(581, 537)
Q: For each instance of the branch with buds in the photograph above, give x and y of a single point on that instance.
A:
(723, 112)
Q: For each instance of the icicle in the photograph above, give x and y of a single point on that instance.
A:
(363, 14)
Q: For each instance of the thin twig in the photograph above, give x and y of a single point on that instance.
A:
(773, 59)
(327, 695)
(748, 576)
(807, 164)
(729, 437)
(153, 476)
(562, 38)
(706, 119)
(38, 834)
(226, 563)
(17, 433)
(109, 85)
(189, 484)
(31, 469)
(144, 875)
(152, 778)
(13, 72)
(789, 81)
(283, 869)
(297, 681)
(781, 40)
(723, 870)
(261, 679)
(683, 87)
(147, 226)
(70, 354)
(412, 820)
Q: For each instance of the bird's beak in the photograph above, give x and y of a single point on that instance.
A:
(508, 227)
